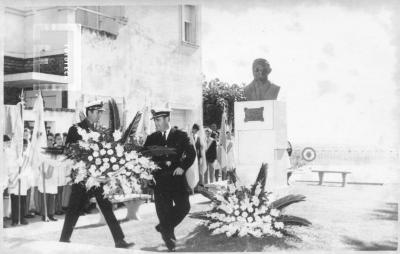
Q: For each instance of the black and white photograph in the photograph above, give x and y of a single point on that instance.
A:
(199, 126)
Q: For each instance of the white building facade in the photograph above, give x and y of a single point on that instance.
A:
(139, 55)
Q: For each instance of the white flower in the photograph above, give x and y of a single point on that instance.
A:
(94, 147)
(122, 161)
(279, 225)
(250, 219)
(95, 154)
(250, 209)
(106, 160)
(106, 189)
(98, 161)
(244, 214)
(90, 158)
(91, 181)
(106, 165)
(110, 152)
(102, 151)
(107, 146)
(115, 167)
(242, 232)
(267, 219)
(237, 213)
(92, 168)
(83, 133)
(274, 212)
(256, 233)
(113, 159)
(117, 135)
(129, 165)
(103, 168)
(84, 144)
(94, 135)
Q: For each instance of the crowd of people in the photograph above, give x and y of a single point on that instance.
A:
(42, 192)
(209, 149)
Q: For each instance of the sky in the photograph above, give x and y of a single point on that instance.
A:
(335, 63)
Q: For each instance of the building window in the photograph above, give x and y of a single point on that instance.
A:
(189, 24)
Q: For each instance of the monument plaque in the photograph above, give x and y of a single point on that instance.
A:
(254, 114)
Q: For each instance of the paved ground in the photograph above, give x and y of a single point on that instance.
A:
(357, 217)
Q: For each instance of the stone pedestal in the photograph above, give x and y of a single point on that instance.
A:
(260, 134)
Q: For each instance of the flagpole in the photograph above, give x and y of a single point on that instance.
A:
(43, 174)
(44, 193)
(19, 166)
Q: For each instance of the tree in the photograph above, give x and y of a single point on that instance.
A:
(216, 94)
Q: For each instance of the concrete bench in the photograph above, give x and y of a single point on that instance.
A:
(322, 172)
(132, 203)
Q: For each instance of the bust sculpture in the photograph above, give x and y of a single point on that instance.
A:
(261, 88)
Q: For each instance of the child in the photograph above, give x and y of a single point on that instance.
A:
(17, 194)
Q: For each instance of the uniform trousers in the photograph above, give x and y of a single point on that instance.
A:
(77, 201)
(50, 204)
(171, 208)
(14, 208)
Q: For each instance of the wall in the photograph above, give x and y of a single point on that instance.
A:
(146, 62)
(14, 41)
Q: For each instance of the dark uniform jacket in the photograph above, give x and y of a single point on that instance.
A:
(73, 136)
(184, 158)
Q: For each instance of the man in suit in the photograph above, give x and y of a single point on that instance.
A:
(79, 194)
(171, 192)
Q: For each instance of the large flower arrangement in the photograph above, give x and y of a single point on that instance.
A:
(239, 212)
(99, 160)
(242, 211)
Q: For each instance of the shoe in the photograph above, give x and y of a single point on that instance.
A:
(65, 241)
(29, 216)
(52, 218)
(14, 223)
(24, 222)
(123, 244)
(158, 228)
(170, 244)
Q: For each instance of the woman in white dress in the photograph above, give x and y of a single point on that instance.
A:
(49, 178)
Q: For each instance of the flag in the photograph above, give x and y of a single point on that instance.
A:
(34, 156)
(223, 160)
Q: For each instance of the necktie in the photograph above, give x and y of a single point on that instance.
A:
(164, 138)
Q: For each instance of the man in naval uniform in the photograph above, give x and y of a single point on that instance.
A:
(171, 192)
(79, 194)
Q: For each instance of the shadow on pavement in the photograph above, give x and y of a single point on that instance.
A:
(370, 246)
(200, 240)
(388, 211)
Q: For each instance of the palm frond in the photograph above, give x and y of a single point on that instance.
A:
(261, 178)
(293, 220)
(208, 194)
(115, 121)
(287, 200)
(132, 128)
(199, 215)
